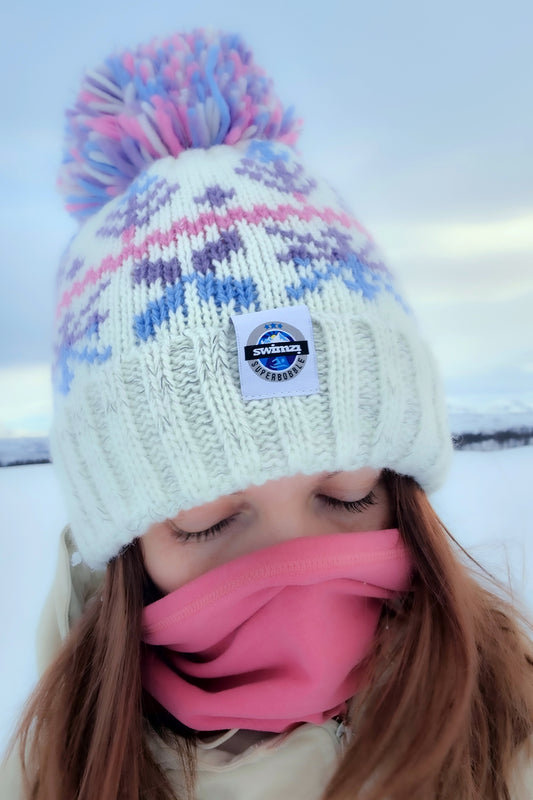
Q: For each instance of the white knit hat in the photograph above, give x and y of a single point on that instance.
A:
(224, 320)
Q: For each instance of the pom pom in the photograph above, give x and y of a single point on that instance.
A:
(191, 90)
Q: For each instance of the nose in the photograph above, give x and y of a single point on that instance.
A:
(288, 510)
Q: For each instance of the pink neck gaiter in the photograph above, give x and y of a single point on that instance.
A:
(274, 637)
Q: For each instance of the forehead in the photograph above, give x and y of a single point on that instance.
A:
(360, 480)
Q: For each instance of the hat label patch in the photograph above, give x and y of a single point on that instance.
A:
(276, 353)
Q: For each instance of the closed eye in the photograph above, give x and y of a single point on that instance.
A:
(350, 505)
(213, 530)
(354, 506)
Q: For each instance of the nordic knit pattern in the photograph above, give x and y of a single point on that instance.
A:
(149, 417)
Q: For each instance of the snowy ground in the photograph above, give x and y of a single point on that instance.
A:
(487, 504)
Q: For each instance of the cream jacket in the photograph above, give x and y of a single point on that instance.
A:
(237, 765)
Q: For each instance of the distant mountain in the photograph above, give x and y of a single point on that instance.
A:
(491, 421)
(32, 450)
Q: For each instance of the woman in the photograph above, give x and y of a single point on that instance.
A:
(255, 597)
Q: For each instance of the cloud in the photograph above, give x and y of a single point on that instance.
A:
(462, 239)
(450, 262)
(25, 400)
(476, 338)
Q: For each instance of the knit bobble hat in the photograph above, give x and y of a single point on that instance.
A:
(222, 318)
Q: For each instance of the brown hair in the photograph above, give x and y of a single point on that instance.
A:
(84, 728)
(449, 697)
(448, 701)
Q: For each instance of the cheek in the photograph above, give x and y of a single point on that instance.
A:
(171, 564)
(378, 516)
(383, 514)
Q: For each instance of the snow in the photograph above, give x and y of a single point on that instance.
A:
(487, 504)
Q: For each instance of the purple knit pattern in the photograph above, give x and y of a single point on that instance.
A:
(331, 244)
(168, 274)
(277, 175)
(65, 265)
(75, 268)
(186, 248)
(327, 255)
(78, 339)
(216, 196)
(147, 272)
(205, 259)
(146, 196)
(168, 271)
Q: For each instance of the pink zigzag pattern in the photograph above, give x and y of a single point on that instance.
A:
(184, 225)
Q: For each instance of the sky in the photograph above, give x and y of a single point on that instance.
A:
(419, 113)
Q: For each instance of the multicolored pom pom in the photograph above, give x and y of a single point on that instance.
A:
(190, 90)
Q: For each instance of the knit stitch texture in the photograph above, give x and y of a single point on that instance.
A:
(149, 417)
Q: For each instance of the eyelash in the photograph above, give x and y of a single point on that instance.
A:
(186, 536)
(354, 506)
